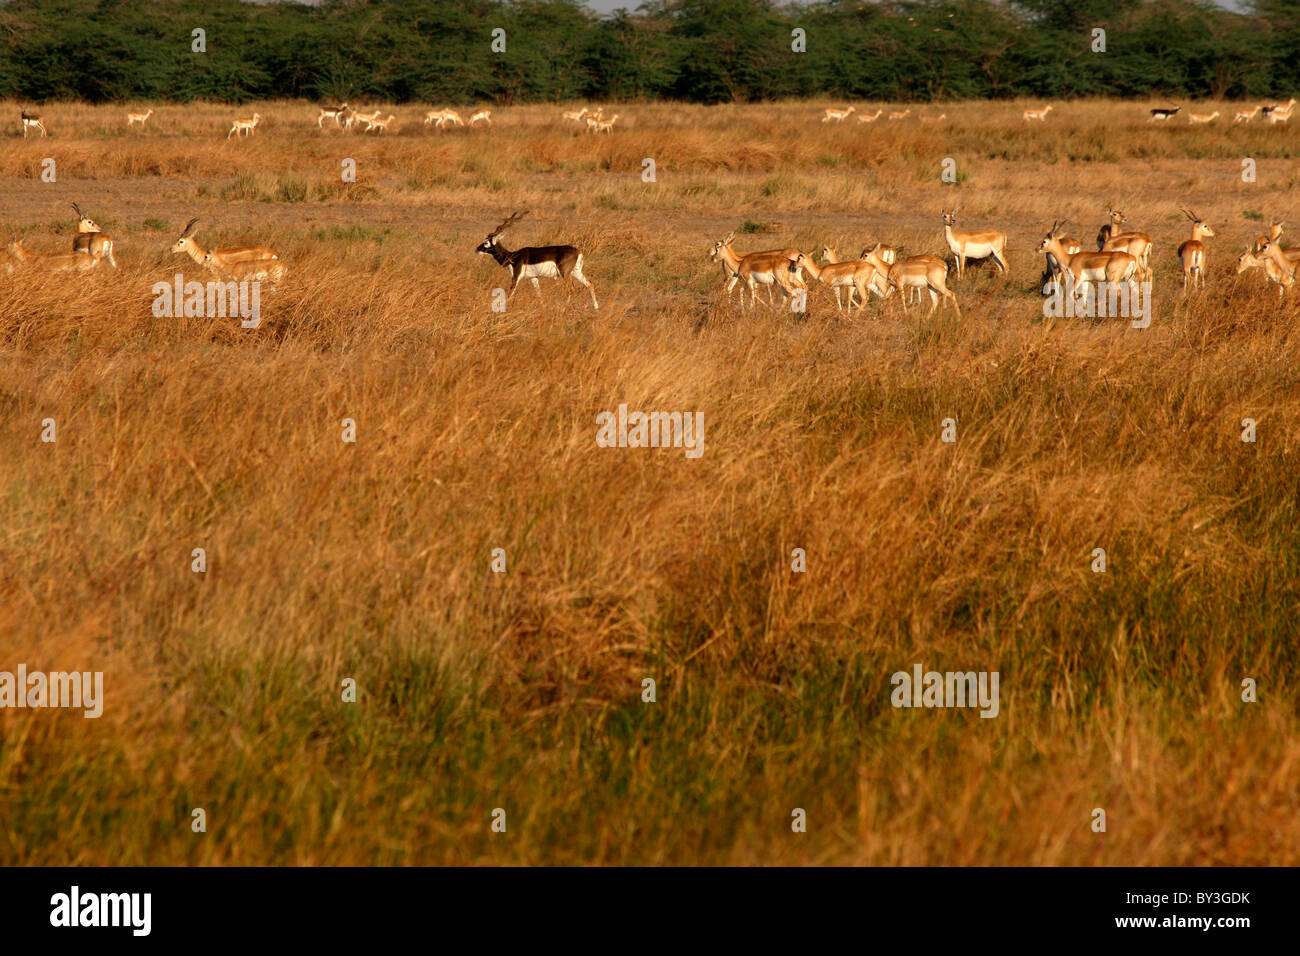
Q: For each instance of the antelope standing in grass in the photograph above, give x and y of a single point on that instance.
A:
(879, 257)
(1164, 114)
(933, 119)
(838, 276)
(356, 117)
(244, 127)
(1280, 114)
(1284, 265)
(481, 116)
(974, 245)
(1117, 219)
(577, 117)
(57, 262)
(788, 278)
(923, 273)
(1084, 267)
(219, 259)
(1136, 244)
(1194, 118)
(331, 112)
(902, 115)
(1192, 252)
(90, 238)
(443, 118)
(1245, 117)
(606, 126)
(864, 118)
(1037, 114)
(838, 115)
(1071, 246)
(534, 262)
(1253, 260)
(32, 121)
(261, 269)
(141, 118)
(379, 124)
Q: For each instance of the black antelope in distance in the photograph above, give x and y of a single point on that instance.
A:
(32, 121)
(534, 262)
(1162, 114)
(335, 113)
(90, 238)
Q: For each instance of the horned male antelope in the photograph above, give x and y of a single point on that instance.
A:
(90, 238)
(1083, 267)
(1037, 114)
(242, 270)
(32, 121)
(481, 116)
(766, 270)
(838, 115)
(1192, 252)
(1245, 117)
(923, 273)
(1161, 114)
(141, 118)
(864, 118)
(331, 112)
(902, 115)
(244, 127)
(974, 245)
(1252, 260)
(532, 262)
(218, 259)
(55, 262)
(1194, 118)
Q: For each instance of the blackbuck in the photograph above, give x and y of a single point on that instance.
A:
(441, 118)
(1253, 260)
(838, 115)
(1085, 267)
(854, 276)
(1245, 117)
(1194, 118)
(1280, 114)
(481, 116)
(262, 270)
(1052, 276)
(1136, 244)
(1284, 264)
(218, 259)
(775, 267)
(606, 126)
(575, 116)
(864, 118)
(244, 127)
(1274, 234)
(534, 262)
(1164, 114)
(334, 113)
(1037, 114)
(379, 124)
(1117, 219)
(141, 118)
(1192, 252)
(53, 263)
(898, 116)
(90, 238)
(933, 119)
(925, 274)
(974, 245)
(32, 121)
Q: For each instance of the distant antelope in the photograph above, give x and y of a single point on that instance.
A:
(141, 118)
(1192, 252)
(1245, 117)
(1193, 118)
(778, 267)
(974, 245)
(838, 115)
(864, 118)
(244, 127)
(533, 262)
(1163, 114)
(902, 115)
(355, 118)
(1037, 114)
(218, 259)
(32, 121)
(441, 117)
(379, 124)
(90, 238)
(484, 116)
(1084, 267)
(331, 112)
(1280, 114)
(56, 262)
(576, 117)
(933, 119)
(606, 126)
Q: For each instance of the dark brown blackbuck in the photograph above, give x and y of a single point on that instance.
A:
(534, 262)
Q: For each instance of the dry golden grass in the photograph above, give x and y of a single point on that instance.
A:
(476, 430)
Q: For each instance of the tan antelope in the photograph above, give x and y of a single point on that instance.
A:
(379, 124)
(141, 118)
(1117, 219)
(1284, 264)
(606, 126)
(32, 121)
(1192, 252)
(1071, 246)
(1245, 117)
(218, 259)
(974, 245)
(1037, 114)
(838, 115)
(864, 118)
(443, 118)
(923, 273)
(595, 119)
(1085, 267)
(357, 118)
(787, 279)
(576, 116)
(1136, 244)
(260, 270)
(56, 262)
(899, 116)
(534, 262)
(331, 112)
(838, 276)
(90, 238)
(1194, 118)
(481, 116)
(933, 119)
(1252, 260)
(879, 257)
(1280, 114)
(244, 127)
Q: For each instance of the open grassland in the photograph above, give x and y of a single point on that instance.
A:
(476, 430)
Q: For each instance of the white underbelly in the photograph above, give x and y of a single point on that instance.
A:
(541, 270)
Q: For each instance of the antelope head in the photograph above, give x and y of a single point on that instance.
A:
(715, 252)
(490, 243)
(184, 242)
(85, 223)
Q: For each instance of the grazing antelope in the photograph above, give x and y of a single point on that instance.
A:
(923, 273)
(261, 270)
(1037, 114)
(331, 112)
(864, 118)
(90, 238)
(1082, 267)
(1052, 278)
(1194, 118)
(532, 262)
(355, 118)
(1245, 117)
(838, 275)
(1136, 244)
(245, 127)
(974, 245)
(902, 115)
(141, 118)
(32, 121)
(445, 117)
(1192, 252)
(1252, 260)
(381, 125)
(788, 278)
(838, 115)
(218, 259)
(576, 117)
(1280, 114)
(56, 262)
(606, 126)
(1159, 114)
(481, 115)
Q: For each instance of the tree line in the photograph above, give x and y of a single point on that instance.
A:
(708, 51)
